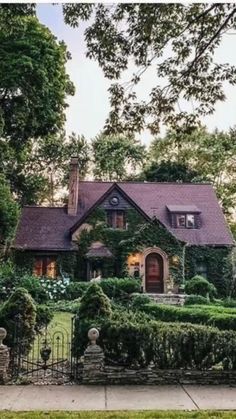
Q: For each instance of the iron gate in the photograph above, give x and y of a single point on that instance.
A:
(48, 360)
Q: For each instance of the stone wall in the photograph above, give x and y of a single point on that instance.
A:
(93, 370)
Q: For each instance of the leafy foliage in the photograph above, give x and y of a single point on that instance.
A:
(9, 213)
(200, 286)
(19, 306)
(179, 40)
(223, 318)
(197, 156)
(124, 153)
(94, 303)
(33, 89)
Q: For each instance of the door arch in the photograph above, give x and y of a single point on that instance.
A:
(154, 278)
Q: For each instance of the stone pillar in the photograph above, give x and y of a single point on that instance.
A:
(93, 360)
(4, 357)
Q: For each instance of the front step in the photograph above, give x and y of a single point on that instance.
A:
(171, 299)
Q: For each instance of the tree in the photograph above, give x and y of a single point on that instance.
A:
(115, 155)
(8, 214)
(33, 89)
(210, 155)
(169, 172)
(50, 158)
(180, 40)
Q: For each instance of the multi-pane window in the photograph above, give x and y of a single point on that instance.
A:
(116, 219)
(201, 269)
(185, 220)
(45, 266)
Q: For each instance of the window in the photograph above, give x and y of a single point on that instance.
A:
(185, 220)
(181, 220)
(201, 269)
(45, 266)
(116, 219)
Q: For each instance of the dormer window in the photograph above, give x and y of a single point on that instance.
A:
(185, 220)
(184, 216)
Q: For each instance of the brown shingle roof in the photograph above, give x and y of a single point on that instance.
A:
(48, 228)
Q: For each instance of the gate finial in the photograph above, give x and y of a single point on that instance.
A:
(93, 335)
(3, 334)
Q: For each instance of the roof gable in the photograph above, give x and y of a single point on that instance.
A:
(104, 199)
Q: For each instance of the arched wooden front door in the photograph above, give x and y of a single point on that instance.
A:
(154, 273)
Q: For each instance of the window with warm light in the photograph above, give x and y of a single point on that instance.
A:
(45, 266)
(116, 219)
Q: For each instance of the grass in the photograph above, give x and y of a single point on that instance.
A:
(119, 415)
(58, 337)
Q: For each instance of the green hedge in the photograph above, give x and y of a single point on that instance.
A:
(223, 318)
(166, 345)
(117, 288)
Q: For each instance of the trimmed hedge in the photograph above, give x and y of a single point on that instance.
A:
(223, 318)
(117, 288)
(199, 285)
(166, 345)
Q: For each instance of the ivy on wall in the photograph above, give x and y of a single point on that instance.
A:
(24, 261)
(215, 259)
(140, 234)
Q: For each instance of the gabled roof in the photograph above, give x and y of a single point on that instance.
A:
(44, 228)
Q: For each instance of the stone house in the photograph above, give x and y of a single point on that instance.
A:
(161, 232)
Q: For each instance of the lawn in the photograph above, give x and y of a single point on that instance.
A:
(119, 415)
(58, 336)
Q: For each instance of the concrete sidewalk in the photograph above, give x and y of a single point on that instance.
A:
(78, 397)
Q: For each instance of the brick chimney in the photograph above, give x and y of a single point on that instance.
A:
(73, 187)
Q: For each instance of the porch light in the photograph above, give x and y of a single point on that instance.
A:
(134, 258)
(175, 260)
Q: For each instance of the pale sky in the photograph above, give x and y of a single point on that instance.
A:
(89, 107)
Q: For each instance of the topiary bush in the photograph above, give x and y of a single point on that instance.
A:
(19, 306)
(200, 286)
(94, 303)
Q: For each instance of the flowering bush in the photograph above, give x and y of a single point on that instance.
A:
(55, 288)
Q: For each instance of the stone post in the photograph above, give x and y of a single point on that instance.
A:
(4, 357)
(93, 360)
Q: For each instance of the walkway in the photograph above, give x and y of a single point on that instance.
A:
(78, 397)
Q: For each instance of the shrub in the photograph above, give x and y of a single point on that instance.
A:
(44, 316)
(7, 279)
(200, 286)
(55, 288)
(94, 303)
(120, 287)
(139, 300)
(19, 306)
(76, 290)
(34, 286)
(229, 302)
(167, 346)
(196, 299)
(224, 319)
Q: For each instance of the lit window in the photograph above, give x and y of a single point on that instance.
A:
(45, 266)
(116, 219)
